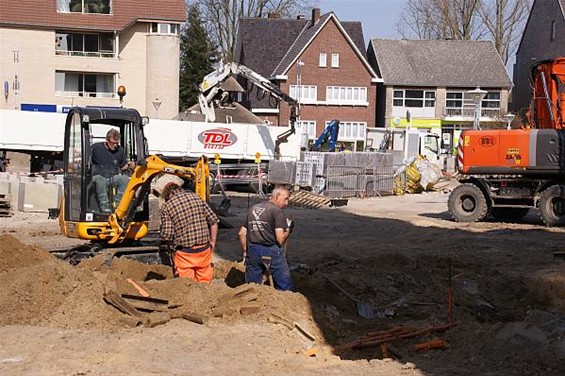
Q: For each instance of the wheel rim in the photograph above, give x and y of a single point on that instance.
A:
(558, 206)
(468, 204)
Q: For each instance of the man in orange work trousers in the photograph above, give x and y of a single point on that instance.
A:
(190, 227)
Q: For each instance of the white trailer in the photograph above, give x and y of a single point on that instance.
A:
(233, 142)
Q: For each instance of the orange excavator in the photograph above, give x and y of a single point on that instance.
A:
(506, 172)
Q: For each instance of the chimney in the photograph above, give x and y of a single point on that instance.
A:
(315, 15)
(273, 15)
(300, 17)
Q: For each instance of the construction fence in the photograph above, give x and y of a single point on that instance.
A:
(341, 175)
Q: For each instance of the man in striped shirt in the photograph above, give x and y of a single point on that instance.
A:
(190, 227)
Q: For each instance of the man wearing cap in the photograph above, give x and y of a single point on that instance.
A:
(190, 227)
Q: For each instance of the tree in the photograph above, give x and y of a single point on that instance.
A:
(505, 21)
(196, 57)
(221, 17)
(501, 21)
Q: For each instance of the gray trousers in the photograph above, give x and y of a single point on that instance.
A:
(102, 184)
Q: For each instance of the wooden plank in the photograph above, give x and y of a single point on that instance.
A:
(120, 303)
(145, 299)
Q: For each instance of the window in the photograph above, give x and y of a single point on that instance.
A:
(454, 99)
(335, 60)
(553, 31)
(77, 44)
(307, 127)
(164, 28)
(84, 84)
(323, 60)
(414, 98)
(84, 6)
(351, 130)
(304, 93)
(491, 101)
(343, 94)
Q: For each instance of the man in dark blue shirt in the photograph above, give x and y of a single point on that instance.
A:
(108, 163)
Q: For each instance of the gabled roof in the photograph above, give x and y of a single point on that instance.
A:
(263, 43)
(449, 63)
(309, 33)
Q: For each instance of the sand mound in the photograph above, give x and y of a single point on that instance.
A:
(39, 289)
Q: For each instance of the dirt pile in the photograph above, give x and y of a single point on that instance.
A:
(40, 289)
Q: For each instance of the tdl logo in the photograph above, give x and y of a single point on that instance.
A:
(217, 138)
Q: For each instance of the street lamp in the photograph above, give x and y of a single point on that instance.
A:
(509, 117)
(478, 95)
(299, 66)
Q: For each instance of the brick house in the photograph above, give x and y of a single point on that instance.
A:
(543, 39)
(58, 53)
(434, 79)
(321, 62)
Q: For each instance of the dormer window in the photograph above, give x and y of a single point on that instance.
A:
(84, 6)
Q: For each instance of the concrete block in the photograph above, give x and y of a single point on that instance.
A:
(14, 194)
(3, 176)
(39, 197)
(4, 187)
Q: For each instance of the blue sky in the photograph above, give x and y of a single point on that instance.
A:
(378, 17)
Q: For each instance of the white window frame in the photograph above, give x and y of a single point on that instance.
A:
(111, 93)
(323, 61)
(346, 94)
(335, 60)
(309, 126)
(351, 130)
(162, 28)
(425, 100)
(304, 93)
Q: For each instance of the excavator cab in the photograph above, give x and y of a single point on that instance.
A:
(81, 212)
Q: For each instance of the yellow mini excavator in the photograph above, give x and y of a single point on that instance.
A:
(80, 214)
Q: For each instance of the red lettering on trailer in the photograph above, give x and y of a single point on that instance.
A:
(217, 138)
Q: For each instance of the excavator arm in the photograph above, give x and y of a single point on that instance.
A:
(139, 185)
(547, 110)
(328, 135)
(210, 87)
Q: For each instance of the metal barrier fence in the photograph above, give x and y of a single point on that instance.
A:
(340, 175)
(352, 181)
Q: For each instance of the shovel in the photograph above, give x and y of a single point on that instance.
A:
(363, 309)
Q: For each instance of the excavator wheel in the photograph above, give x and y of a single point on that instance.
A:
(467, 203)
(552, 205)
(509, 214)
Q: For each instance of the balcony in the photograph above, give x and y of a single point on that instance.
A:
(469, 113)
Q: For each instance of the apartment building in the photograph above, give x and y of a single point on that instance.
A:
(55, 54)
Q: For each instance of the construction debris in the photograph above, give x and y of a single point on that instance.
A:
(308, 200)
(386, 336)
